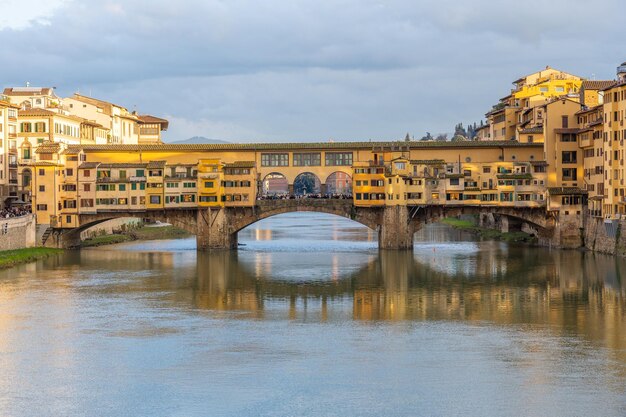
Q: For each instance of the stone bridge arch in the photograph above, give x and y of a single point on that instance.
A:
(219, 228)
(70, 238)
(539, 222)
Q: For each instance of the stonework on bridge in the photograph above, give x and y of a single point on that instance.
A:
(217, 228)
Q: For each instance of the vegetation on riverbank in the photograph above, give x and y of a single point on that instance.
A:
(11, 258)
(485, 233)
(140, 233)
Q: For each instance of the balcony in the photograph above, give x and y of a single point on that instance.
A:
(13, 165)
(111, 180)
(12, 181)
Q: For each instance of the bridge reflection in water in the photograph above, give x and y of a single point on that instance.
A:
(576, 292)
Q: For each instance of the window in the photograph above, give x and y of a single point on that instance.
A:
(122, 187)
(454, 181)
(86, 173)
(122, 173)
(569, 157)
(42, 207)
(69, 172)
(569, 174)
(486, 170)
(564, 122)
(26, 153)
(307, 159)
(189, 185)
(155, 199)
(42, 188)
(105, 187)
(208, 199)
(338, 158)
(69, 204)
(42, 172)
(141, 173)
(275, 159)
(86, 202)
(171, 185)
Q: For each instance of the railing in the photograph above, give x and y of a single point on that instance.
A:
(13, 181)
(111, 179)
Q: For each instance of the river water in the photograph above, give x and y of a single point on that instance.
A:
(308, 318)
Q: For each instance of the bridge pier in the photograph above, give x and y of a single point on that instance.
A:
(214, 230)
(396, 228)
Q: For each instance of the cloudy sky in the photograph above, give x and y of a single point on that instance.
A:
(277, 70)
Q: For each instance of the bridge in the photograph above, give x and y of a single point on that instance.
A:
(217, 228)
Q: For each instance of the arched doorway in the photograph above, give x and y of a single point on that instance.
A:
(275, 185)
(27, 179)
(306, 184)
(339, 183)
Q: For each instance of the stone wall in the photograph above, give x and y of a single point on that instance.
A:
(17, 232)
(606, 236)
(121, 224)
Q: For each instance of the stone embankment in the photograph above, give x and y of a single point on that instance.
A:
(605, 235)
(17, 232)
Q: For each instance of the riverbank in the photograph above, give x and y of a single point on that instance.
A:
(490, 234)
(140, 233)
(11, 258)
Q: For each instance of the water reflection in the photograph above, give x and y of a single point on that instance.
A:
(577, 292)
(307, 324)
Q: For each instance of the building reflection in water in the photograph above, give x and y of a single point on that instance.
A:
(567, 291)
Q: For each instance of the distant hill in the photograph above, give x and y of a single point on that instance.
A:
(197, 140)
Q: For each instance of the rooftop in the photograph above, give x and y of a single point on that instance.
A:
(298, 146)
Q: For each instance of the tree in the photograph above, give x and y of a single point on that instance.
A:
(407, 138)
(428, 136)
(459, 130)
(458, 138)
(442, 137)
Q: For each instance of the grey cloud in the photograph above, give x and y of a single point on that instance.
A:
(277, 70)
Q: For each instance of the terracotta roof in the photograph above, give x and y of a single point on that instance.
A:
(597, 85)
(125, 165)
(28, 91)
(539, 163)
(241, 164)
(615, 84)
(146, 118)
(589, 109)
(44, 164)
(535, 130)
(304, 145)
(48, 147)
(35, 112)
(48, 113)
(156, 164)
(485, 126)
(427, 161)
(95, 102)
(89, 165)
(566, 191)
(567, 130)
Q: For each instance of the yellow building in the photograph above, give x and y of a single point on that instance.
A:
(591, 143)
(614, 109)
(8, 151)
